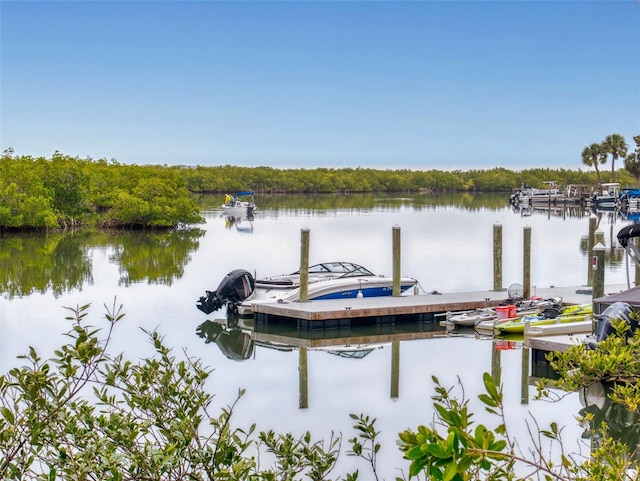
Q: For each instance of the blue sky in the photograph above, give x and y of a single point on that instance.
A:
(382, 84)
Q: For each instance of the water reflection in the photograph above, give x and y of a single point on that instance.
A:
(621, 424)
(234, 343)
(274, 204)
(157, 258)
(62, 262)
(242, 223)
(236, 338)
(54, 263)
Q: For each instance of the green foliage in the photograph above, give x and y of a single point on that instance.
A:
(632, 160)
(615, 146)
(296, 456)
(87, 415)
(453, 448)
(67, 192)
(365, 444)
(615, 362)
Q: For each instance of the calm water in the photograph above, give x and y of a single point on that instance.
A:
(446, 245)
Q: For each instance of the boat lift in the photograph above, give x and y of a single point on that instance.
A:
(624, 237)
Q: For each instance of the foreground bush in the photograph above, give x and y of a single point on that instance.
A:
(87, 415)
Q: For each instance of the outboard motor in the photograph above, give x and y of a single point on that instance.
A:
(617, 310)
(236, 286)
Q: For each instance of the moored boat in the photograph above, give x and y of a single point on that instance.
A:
(608, 198)
(506, 311)
(574, 313)
(240, 291)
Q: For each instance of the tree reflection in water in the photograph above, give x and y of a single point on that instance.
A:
(61, 262)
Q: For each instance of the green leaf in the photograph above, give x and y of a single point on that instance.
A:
(450, 472)
(8, 415)
(438, 451)
(464, 464)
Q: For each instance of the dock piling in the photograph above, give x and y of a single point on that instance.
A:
(497, 257)
(304, 265)
(597, 264)
(593, 222)
(526, 267)
(396, 260)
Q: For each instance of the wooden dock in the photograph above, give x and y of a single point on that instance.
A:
(422, 307)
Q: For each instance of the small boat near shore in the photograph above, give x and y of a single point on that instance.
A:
(242, 203)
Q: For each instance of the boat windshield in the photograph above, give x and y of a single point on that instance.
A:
(347, 269)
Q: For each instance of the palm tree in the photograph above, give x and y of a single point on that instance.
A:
(615, 146)
(593, 155)
(632, 160)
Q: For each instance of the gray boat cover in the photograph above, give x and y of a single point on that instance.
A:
(630, 296)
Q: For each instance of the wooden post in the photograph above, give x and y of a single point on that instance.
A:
(395, 369)
(497, 257)
(526, 267)
(303, 377)
(597, 264)
(593, 222)
(396, 260)
(598, 238)
(304, 265)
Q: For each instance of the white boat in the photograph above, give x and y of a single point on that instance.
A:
(242, 203)
(577, 327)
(531, 195)
(472, 317)
(239, 291)
(608, 199)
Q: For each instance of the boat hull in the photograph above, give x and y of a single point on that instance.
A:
(325, 290)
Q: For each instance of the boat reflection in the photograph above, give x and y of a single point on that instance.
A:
(234, 343)
(239, 337)
(242, 222)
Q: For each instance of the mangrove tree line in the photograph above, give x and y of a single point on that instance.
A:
(64, 191)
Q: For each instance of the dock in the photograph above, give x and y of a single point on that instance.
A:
(421, 307)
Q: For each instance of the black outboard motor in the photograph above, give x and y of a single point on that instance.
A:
(617, 310)
(236, 286)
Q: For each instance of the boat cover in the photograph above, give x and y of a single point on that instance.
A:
(630, 296)
(626, 233)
